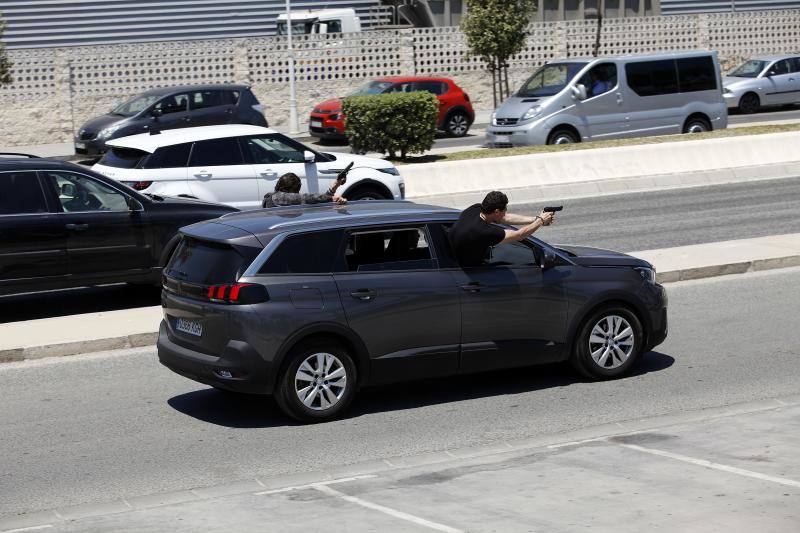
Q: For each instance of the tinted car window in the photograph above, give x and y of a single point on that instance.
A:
(207, 263)
(307, 253)
(435, 87)
(173, 104)
(781, 67)
(512, 254)
(266, 149)
(794, 64)
(231, 97)
(399, 249)
(203, 99)
(79, 193)
(696, 74)
(216, 152)
(123, 158)
(21, 192)
(650, 78)
(175, 156)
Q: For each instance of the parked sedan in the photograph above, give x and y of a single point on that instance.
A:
(310, 304)
(62, 225)
(763, 81)
(171, 107)
(455, 109)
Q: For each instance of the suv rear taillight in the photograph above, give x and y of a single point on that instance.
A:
(237, 293)
(138, 185)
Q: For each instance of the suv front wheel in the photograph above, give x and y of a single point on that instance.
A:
(608, 343)
(319, 382)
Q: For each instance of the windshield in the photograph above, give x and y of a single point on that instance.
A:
(748, 69)
(550, 79)
(299, 27)
(373, 87)
(135, 105)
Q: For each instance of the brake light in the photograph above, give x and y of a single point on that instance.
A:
(466, 97)
(238, 293)
(138, 185)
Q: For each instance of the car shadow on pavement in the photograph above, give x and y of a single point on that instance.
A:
(245, 411)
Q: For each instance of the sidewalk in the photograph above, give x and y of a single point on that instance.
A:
(93, 332)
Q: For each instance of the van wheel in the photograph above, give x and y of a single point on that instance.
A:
(457, 124)
(749, 103)
(562, 136)
(696, 125)
(319, 382)
(608, 344)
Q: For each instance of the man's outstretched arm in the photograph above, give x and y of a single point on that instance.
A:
(545, 219)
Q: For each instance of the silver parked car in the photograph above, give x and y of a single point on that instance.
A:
(763, 81)
(574, 100)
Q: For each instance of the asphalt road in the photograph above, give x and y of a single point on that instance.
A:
(625, 222)
(102, 427)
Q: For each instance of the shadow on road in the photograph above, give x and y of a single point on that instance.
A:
(243, 411)
(50, 304)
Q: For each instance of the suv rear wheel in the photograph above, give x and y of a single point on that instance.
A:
(367, 193)
(608, 343)
(319, 382)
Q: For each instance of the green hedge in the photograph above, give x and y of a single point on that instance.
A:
(393, 123)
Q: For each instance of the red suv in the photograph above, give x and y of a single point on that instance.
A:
(455, 110)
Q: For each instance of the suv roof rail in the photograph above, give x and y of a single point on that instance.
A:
(17, 154)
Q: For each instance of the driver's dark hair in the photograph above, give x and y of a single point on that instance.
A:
(493, 201)
(289, 182)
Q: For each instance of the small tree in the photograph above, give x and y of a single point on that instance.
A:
(5, 63)
(495, 31)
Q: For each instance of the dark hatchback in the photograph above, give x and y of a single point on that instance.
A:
(62, 226)
(165, 108)
(311, 304)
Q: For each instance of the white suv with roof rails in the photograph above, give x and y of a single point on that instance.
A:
(238, 164)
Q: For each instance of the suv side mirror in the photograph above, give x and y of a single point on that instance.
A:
(309, 157)
(548, 258)
(133, 204)
(155, 113)
(579, 91)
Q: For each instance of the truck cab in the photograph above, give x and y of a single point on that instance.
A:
(320, 21)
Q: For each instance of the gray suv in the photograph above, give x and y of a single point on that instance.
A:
(309, 304)
(166, 108)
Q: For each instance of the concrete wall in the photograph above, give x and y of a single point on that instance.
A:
(57, 89)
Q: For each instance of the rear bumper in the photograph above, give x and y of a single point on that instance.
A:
(238, 357)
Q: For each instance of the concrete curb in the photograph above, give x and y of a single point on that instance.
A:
(148, 339)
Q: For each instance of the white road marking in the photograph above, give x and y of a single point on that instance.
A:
(316, 484)
(32, 528)
(386, 510)
(715, 466)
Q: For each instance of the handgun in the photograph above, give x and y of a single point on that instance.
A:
(553, 209)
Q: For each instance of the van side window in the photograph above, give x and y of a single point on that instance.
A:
(204, 99)
(601, 78)
(651, 78)
(696, 74)
(306, 253)
(395, 249)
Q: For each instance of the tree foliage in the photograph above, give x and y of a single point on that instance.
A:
(495, 31)
(5, 63)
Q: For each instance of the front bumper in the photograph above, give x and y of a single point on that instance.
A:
(732, 98)
(90, 147)
(250, 370)
(658, 320)
(529, 134)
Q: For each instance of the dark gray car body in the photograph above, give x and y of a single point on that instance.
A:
(245, 110)
(398, 324)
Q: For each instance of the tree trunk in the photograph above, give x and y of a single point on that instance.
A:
(494, 84)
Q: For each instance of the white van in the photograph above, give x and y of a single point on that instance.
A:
(574, 100)
(238, 164)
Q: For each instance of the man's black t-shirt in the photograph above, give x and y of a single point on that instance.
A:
(471, 236)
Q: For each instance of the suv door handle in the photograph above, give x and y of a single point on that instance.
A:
(203, 175)
(472, 286)
(619, 98)
(268, 174)
(364, 294)
(77, 227)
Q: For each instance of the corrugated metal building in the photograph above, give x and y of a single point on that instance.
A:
(685, 7)
(39, 23)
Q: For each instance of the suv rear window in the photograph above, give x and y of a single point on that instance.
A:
(306, 253)
(123, 158)
(209, 263)
(20, 193)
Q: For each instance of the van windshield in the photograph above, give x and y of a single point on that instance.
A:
(550, 79)
(748, 69)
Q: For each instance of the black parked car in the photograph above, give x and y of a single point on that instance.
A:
(309, 304)
(62, 225)
(171, 107)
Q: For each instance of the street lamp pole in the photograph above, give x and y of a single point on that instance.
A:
(294, 126)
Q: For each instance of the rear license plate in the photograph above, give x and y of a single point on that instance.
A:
(316, 123)
(189, 326)
(80, 146)
(502, 139)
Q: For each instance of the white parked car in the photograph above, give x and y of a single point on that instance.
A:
(763, 81)
(237, 165)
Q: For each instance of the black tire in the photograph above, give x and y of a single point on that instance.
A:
(696, 125)
(288, 389)
(456, 124)
(749, 103)
(582, 358)
(367, 193)
(563, 136)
